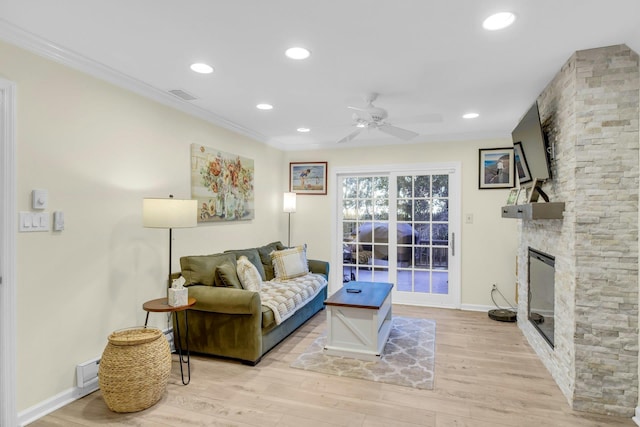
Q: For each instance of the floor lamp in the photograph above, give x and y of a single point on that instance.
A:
(169, 213)
(289, 207)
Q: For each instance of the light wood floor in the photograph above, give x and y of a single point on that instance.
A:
(486, 376)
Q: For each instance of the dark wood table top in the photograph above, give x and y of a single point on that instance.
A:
(161, 305)
(371, 295)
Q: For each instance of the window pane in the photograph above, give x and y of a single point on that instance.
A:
(440, 209)
(422, 186)
(440, 259)
(405, 256)
(440, 234)
(349, 231)
(381, 187)
(424, 234)
(404, 187)
(440, 185)
(364, 232)
(381, 275)
(404, 210)
(440, 281)
(365, 210)
(349, 209)
(422, 210)
(381, 209)
(364, 188)
(404, 281)
(423, 257)
(422, 281)
(349, 187)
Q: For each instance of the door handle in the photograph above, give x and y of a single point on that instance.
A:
(453, 244)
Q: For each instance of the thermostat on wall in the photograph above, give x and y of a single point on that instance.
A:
(39, 199)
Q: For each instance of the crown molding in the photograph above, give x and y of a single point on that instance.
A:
(17, 36)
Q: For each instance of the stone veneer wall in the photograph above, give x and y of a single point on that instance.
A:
(590, 113)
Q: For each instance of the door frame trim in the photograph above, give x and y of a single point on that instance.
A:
(454, 168)
(8, 311)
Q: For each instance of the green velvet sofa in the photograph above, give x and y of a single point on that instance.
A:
(228, 321)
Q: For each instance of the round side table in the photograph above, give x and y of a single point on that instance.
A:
(161, 305)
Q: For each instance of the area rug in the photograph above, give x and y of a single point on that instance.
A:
(407, 360)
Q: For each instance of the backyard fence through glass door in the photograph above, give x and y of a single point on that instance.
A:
(397, 228)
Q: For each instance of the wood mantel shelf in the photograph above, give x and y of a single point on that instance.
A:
(547, 210)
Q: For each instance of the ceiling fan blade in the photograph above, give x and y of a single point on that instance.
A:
(351, 136)
(397, 132)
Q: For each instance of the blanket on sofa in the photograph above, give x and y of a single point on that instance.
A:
(286, 296)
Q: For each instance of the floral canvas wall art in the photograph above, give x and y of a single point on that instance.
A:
(222, 183)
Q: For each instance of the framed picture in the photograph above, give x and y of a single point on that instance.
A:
(513, 196)
(308, 178)
(496, 168)
(522, 167)
(523, 197)
(223, 185)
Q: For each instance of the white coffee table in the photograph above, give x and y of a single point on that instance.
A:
(359, 323)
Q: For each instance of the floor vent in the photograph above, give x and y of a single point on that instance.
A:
(185, 96)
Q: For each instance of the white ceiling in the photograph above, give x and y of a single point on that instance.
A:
(424, 58)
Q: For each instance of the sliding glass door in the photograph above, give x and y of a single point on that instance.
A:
(401, 227)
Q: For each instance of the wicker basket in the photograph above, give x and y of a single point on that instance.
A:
(134, 369)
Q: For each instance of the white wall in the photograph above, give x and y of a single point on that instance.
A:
(488, 245)
(99, 150)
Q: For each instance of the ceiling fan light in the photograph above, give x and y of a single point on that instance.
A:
(361, 125)
(201, 68)
(498, 21)
(297, 53)
(264, 107)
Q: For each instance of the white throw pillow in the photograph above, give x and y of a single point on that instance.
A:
(290, 263)
(248, 274)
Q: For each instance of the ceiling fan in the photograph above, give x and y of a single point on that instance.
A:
(372, 117)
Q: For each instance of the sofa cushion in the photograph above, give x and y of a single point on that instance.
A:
(227, 275)
(248, 274)
(201, 269)
(265, 258)
(252, 255)
(290, 263)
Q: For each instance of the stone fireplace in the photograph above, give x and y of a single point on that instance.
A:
(590, 113)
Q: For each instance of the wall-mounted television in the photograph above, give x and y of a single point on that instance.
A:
(532, 154)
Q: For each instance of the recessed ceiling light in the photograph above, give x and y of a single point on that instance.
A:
(498, 21)
(470, 115)
(201, 68)
(303, 130)
(297, 53)
(264, 107)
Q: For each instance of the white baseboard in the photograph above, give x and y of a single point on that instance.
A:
(46, 407)
(636, 419)
(56, 402)
(474, 307)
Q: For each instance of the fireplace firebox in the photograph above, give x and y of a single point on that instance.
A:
(541, 311)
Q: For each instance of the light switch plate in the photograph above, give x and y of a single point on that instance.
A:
(39, 199)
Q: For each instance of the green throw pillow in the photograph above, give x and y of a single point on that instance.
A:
(201, 269)
(227, 276)
(265, 258)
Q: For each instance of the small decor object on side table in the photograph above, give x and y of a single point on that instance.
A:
(178, 294)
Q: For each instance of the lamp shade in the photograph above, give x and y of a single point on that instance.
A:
(289, 202)
(169, 213)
